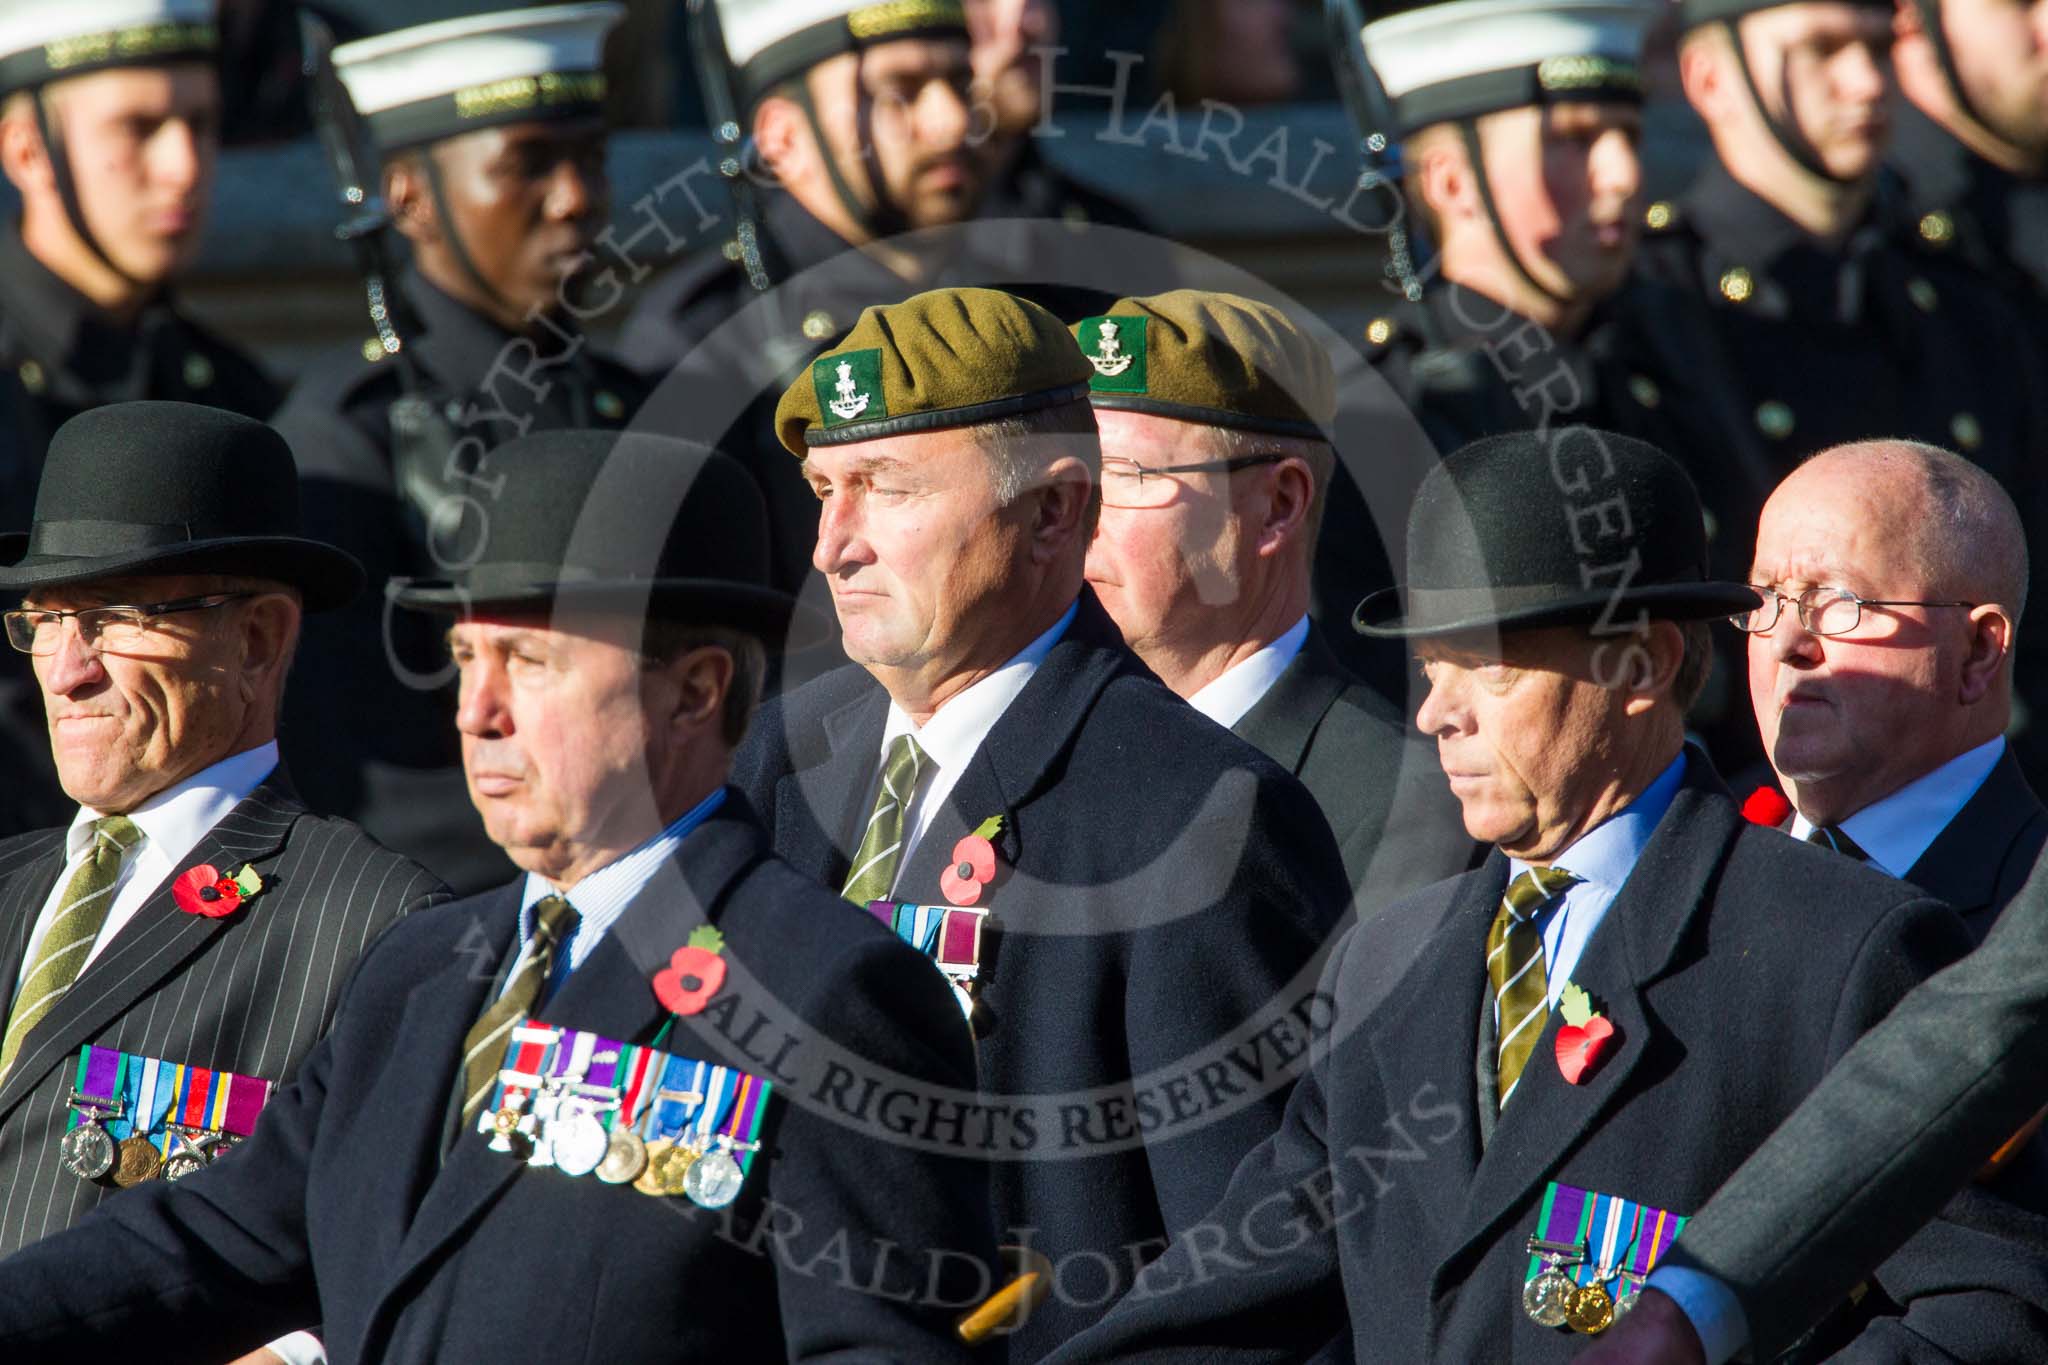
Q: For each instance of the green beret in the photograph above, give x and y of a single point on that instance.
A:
(948, 358)
(1212, 358)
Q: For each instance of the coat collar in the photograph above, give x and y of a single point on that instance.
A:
(1966, 862)
(158, 941)
(87, 357)
(1282, 722)
(1429, 1024)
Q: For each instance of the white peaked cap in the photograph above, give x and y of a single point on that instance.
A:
(1470, 57)
(45, 40)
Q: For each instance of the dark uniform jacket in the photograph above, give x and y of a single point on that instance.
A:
(1162, 896)
(1963, 205)
(372, 746)
(60, 355)
(343, 1209)
(1985, 855)
(248, 993)
(1735, 967)
(1397, 825)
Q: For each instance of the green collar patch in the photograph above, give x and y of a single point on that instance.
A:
(850, 388)
(1115, 346)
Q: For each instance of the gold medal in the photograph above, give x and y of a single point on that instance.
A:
(1591, 1310)
(624, 1159)
(673, 1170)
(649, 1179)
(136, 1159)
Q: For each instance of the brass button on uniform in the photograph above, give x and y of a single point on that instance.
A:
(32, 377)
(198, 372)
(1775, 419)
(1644, 390)
(1937, 228)
(1660, 215)
(1967, 430)
(818, 324)
(1379, 331)
(373, 350)
(608, 405)
(1923, 293)
(1737, 285)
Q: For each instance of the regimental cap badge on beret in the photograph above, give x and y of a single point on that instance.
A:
(47, 40)
(947, 358)
(768, 41)
(1210, 357)
(438, 80)
(1115, 346)
(1443, 62)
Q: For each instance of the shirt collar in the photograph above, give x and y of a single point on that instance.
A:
(1226, 697)
(1607, 853)
(610, 887)
(957, 729)
(1895, 831)
(177, 818)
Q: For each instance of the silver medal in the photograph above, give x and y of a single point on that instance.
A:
(713, 1180)
(1547, 1299)
(88, 1150)
(625, 1158)
(579, 1143)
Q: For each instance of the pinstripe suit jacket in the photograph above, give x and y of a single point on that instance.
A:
(249, 993)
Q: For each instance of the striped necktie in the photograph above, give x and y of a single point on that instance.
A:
(1514, 963)
(68, 941)
(554, 924)
(881, 843)
(1837, 838)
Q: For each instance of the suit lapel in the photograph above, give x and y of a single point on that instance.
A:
(818, 807)
(609, 994)
(1549, 1116)
(155, 942)
(1283, 721)
(27, 889)
(1966, 860)
(1012, 764)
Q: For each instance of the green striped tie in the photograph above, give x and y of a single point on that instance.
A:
(72, 933)
(554, 924)
(881, 844)
(1514, 963)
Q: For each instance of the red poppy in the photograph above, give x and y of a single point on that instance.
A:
(202, 890)
(973, 867)
(1766, 806)
(695, 972)
(1579, 1047)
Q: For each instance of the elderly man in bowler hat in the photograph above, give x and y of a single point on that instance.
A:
(1156, 890)
(574, 1118)
(160, 591)
(1569, 1066)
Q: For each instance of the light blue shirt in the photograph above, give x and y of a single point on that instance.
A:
(603, 896)
(1602, 858)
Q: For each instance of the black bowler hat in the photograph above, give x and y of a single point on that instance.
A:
(1566, 527)
(610, 521)
(172, 488)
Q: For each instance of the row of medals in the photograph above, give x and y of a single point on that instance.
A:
(562, 1130)
(90, 1152)
(1555, 1299)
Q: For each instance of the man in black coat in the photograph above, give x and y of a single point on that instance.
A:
(1885, 717)
(1157, 893)
(393, 1188)
(500, 201)
(182, 774)
(111, 145)
(1622, 962)
(1215, 473)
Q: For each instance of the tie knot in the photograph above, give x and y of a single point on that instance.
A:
(116, 830)
(554, 919)
(901, 767)
(1536, 888)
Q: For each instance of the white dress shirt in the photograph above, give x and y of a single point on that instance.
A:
(1904, 825)
(956, 731)
(172, 824)
(1226, 697)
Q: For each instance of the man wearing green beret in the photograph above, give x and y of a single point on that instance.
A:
(1128, 899)
(1215, 472)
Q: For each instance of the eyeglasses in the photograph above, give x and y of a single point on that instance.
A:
(1821, 611)
(1126, 483)
(103, 630)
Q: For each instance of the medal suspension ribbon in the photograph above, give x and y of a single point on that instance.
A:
(103, 1081)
